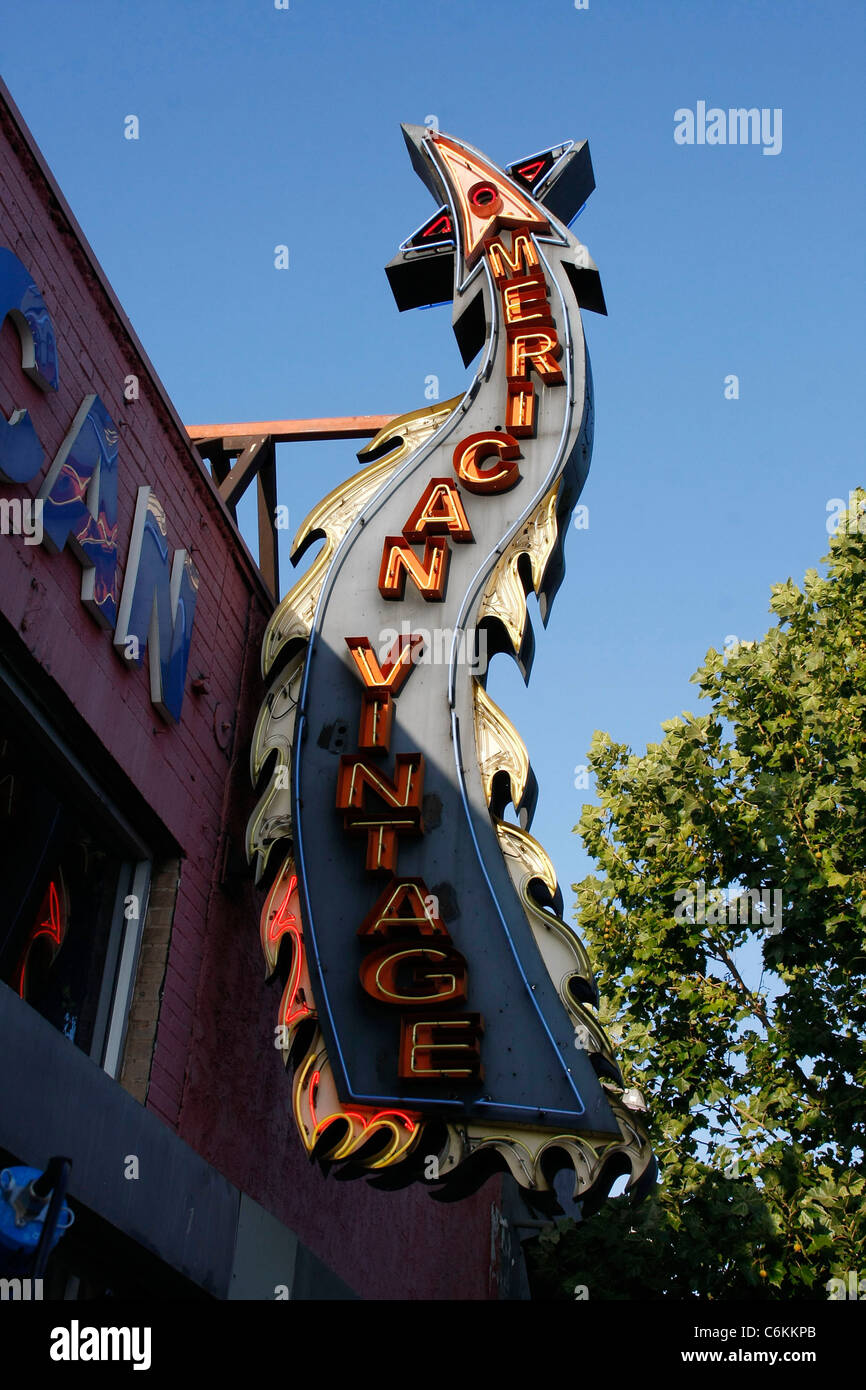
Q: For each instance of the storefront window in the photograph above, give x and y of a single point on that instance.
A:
(61, 907)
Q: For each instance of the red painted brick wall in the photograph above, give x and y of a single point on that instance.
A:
(215, 1076)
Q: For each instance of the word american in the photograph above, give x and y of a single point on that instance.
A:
(412, 967)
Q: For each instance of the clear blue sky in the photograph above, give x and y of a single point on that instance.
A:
(261, 126)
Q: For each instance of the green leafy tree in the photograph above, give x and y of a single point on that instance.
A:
(746, 1037)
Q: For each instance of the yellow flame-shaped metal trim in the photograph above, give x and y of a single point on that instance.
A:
(274, 733)
(518, 845)
(560, 947)
(500, 747)
(524, 1151)
(505, 597)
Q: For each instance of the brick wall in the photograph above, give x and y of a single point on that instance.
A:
(150, 977)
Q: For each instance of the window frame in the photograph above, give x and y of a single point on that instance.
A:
(120, 964)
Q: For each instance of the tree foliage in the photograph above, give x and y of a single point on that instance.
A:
(747, 1041)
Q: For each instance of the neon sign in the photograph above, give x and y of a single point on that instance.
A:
(79, 508)
(50, 929)
(442, 982)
